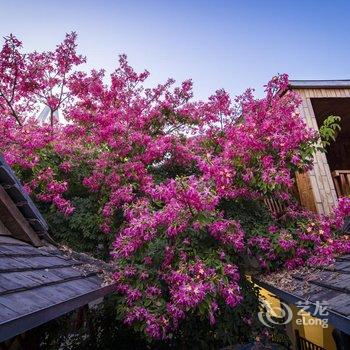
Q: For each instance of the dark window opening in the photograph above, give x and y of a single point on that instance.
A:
(338, 153)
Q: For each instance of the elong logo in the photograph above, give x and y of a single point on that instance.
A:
(268, 315)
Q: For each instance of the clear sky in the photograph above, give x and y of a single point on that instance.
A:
(231, 44)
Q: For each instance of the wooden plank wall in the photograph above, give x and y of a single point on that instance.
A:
(320, 177)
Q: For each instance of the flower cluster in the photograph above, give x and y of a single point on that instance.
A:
(191, 285)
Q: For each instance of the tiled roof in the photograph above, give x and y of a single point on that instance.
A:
(329, 285)
(40, 284)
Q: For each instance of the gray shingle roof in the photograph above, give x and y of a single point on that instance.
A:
(330, 285)
(322, 84)
(40, 284)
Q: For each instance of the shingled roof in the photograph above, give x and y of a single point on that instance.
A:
(39, 281)
(330, 285)
(40, 284)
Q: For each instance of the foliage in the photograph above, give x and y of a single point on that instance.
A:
(329, 130)
(176, 183)
(81, 229)
(89, 329)
(96, 328)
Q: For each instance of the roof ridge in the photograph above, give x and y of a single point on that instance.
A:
(22, 255)
(33, 268)
(67, 279)
(22, 244)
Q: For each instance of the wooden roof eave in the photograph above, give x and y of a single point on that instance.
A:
(15, 222)
(22, 207)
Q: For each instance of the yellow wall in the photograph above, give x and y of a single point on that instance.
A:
(311, 328)
(272, 300)
(308, 326)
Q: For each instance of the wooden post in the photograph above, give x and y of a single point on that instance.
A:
(306, 195)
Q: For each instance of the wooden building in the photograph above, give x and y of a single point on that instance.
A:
(330, 178)
(302, 290)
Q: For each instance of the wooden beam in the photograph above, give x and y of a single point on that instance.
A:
(3, 229)
(15, 222)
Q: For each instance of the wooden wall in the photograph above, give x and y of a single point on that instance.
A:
(320, 178)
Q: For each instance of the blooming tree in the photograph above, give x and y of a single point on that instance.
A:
(164, 171)
(29, 79)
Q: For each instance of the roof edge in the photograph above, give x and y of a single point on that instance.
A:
(321, 84)
(24, 323)
(337, 320)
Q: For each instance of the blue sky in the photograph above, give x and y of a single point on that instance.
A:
(219, 43)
